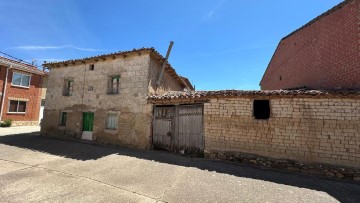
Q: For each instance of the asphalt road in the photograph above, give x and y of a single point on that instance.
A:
(38, 169)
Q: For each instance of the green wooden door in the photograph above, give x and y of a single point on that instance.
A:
(88, 121)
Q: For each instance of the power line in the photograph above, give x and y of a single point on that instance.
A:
(17, 59)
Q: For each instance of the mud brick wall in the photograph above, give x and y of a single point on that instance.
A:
(311, 130)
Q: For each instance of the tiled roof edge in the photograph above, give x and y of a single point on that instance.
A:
(21, 66)
(173, 95)
(151, 50)
(101, 56)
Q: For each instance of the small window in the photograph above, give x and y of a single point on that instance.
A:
(17, 107)
(63, 116)
(68, 87)
(91, 67)
(112, 121)
(91, 88)
(21, 80)
(261, 109)
(114, 84)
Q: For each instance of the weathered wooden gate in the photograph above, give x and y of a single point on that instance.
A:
(179, 128)
(163, 127)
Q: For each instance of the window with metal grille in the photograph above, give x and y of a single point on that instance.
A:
(112, 121)
(114, 84)
(261, 109)
(63, 116)
(17, 106)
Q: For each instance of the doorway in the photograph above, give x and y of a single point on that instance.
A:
(88, 125)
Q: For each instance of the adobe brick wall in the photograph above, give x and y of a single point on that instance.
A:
(32, 95)
(323, 55)
(311, 130)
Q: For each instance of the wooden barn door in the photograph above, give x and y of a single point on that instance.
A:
(190, 128)
(163, 127)
(179, 128)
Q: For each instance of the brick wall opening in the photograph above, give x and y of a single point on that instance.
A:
(261, 109)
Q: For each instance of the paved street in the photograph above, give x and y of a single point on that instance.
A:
(38, 169)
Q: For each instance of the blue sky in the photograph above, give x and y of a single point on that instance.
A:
(219, 44)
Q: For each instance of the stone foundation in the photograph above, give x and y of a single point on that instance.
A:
(330, 171)
(24, 123)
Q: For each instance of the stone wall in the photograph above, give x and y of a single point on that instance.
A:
(310, 130)
(24, 123)
(90, 94)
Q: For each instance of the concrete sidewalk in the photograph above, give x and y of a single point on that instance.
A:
(19, 130)
(38, 169)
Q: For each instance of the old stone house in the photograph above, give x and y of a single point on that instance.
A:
(322, 54)
(103, 98)
(20, 85)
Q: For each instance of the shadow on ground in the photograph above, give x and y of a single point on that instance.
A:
(342, 191)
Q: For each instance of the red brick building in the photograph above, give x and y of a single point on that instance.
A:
(323, 54)
(20, 86)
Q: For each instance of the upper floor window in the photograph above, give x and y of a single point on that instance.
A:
(91, 67)
(20, 80)
(17, 106)
(114, 84)
(68, 87)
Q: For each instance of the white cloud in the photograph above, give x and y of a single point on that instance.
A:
(32, 47)
(215, 9)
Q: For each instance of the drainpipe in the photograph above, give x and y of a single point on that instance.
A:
(4, 92)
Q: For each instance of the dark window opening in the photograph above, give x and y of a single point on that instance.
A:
(280, 78)
(261, 109)
(91, 67)
(63, 118)
(17, 106)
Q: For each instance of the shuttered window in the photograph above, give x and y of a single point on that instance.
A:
(112, 121)
(114, 84)
(68, 87)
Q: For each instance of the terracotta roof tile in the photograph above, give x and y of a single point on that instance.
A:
(174, 95)
(121, 53)
(21, 66)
